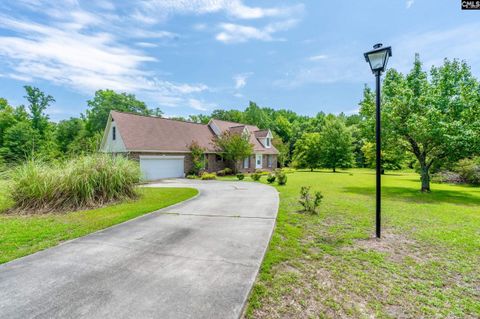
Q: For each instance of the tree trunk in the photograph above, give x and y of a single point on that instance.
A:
(334, 170)
(311, 169)
(425, 177)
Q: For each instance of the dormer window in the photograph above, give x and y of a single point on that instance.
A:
(114, 133)
(267, 143)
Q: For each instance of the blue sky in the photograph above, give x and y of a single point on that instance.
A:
(189, 57)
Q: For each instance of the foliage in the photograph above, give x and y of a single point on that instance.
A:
(335, 144)
(271, 178)
(308, 201)
(256, 176)
(233, 147)
(208, 176)
(38, 102)
(240, 176)
(447, 177)
(392, 158)
(469, 170)
(192, 176)
(281, 177)
(307, 151)
(436, 117)
(86, 181)
(224, 172)
(198, 161)
(68, 131)
(23, 235)
(105, 101)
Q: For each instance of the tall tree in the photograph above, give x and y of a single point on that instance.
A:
(335, 144)
(67, 131)
(307, 151)
(256, 116)
(438, 118)
(108, 100)
(38, 103)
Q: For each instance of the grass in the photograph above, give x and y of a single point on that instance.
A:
(330, 266)
(22, 235)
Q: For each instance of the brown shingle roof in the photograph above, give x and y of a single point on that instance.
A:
(146, 133)
(261, 134)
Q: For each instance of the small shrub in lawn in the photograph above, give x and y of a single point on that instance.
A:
(87, 181)
(308, 201)
(256, 176)
(271, 178)
(281, 177)
(240, 176)
(208, 176)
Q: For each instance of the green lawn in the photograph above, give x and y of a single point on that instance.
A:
(23, 235)
(330, 266)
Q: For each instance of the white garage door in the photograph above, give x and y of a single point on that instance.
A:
(157, 167)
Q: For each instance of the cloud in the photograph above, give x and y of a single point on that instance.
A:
(68, 51)
(409, 3)
(241, 80)
(200, 105)
(161, 9)
(318, 57)
(235, 33)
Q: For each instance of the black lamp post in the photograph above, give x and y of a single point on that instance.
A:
(378, 58)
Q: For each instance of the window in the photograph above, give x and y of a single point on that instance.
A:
(270, 160)
(218, 158)
(268, 142)
(246, 162)
(114, 133)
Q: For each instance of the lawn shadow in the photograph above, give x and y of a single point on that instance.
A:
(411, 194)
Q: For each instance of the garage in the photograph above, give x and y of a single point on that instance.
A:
(157, 167)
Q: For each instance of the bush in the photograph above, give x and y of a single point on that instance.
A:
(191, 176)
(256, 176)
(240, 176)
(84, 182)
(271, 178)
(288, 170)
(227, 171)
(469, 170)
(281, 177)
(309, 203)
(220, 173)
(447, 177)
(208, 176)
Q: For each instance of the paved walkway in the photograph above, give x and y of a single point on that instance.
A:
(197, 259)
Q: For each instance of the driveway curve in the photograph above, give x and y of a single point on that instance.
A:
(196, 259)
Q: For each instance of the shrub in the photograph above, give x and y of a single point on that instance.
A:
(191, 176)
(220, 173)
(197, 153)
(240, 176)
(447, 177)
(271, 178)
(309, 203)
(87, 181)
(281, 178)
(208, 176)
(228, 171)
(288, 170)
(469, 170)
(256, 176)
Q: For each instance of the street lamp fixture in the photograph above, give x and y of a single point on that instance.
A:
(378, 58)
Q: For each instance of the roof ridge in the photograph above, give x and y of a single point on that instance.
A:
(158, 117)
(239, 124)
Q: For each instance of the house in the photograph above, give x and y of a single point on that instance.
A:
(161, 145)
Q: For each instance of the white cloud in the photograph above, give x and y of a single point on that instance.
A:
(235, 33)
(409, 3)
(317, 57)
(200, 105)
(241, 80)
(234, 8)
(71, 55)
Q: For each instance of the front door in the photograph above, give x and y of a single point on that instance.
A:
(258, 160)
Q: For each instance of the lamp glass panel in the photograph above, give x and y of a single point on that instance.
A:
(377, 59)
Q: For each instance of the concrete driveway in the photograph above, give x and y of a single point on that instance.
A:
(197, 259)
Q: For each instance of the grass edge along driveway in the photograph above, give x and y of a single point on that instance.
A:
(24, 235)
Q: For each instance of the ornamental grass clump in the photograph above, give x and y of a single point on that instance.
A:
(84, 182)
